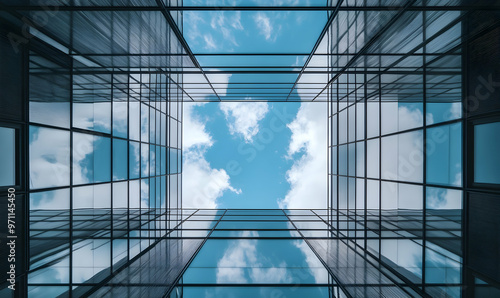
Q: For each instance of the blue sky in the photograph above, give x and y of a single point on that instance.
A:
(257, 166)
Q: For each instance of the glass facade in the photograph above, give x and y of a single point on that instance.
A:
(395, 143)
(100, 178)
(91, 122)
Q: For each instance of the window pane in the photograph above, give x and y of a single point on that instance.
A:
(134, 120)
(444, 155)
(410, 156)
(360, 193)
(120, 195)
(134, 160)
(173, 133)
(352, 159)
(49, 93)
(443, 199)
(7, 156)
(91, 158)
(158, 161)
(343, 127)
(120, 117)
(91, 102)
(89, 258)
(406, 255)
(173, 161)
(102, 160)
(92, 197)
(372, 194)
(50, 200)
(352, 122)
(372, 158)
(342, 160)
(144, 123)
(443, 111)
(179, 161)
(152, 160)
(360, 159)
(144, 160)
(134, 194)
(49, 157)
(152, 124)
(486, 157)
(372, 114)
(360, 121)
(163, 162)
(119, 159)
(401, 116)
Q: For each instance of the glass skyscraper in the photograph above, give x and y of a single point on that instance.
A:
(91, 125)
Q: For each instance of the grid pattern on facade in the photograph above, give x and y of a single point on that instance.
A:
(94, 130)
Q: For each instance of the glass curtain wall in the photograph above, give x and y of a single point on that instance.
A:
(395, 141)
(104, 147)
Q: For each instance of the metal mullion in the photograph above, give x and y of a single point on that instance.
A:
(329, 150)
(348, 129)
(168, 97)
(380, 166)
(111, 177)
(365, 143)
(338, 158)
(70, 285)
(424, 149)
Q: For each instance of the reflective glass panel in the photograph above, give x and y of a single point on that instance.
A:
(49, 157)
(486, 156)
(8, 156)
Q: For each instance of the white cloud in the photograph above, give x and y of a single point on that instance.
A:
(49, 157)
(263, 22)
(196, 136)
(398, 116)
(50, 200)
(307, 177)
(290, 2)
(315, 267)
(220, 82)
(243, 117)
(92, 115)
(230, 268)
(201, 184)
(209, 41)
(226, 23)
(203, 30)
(455, 111)
(440, 198)
(243, 255)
